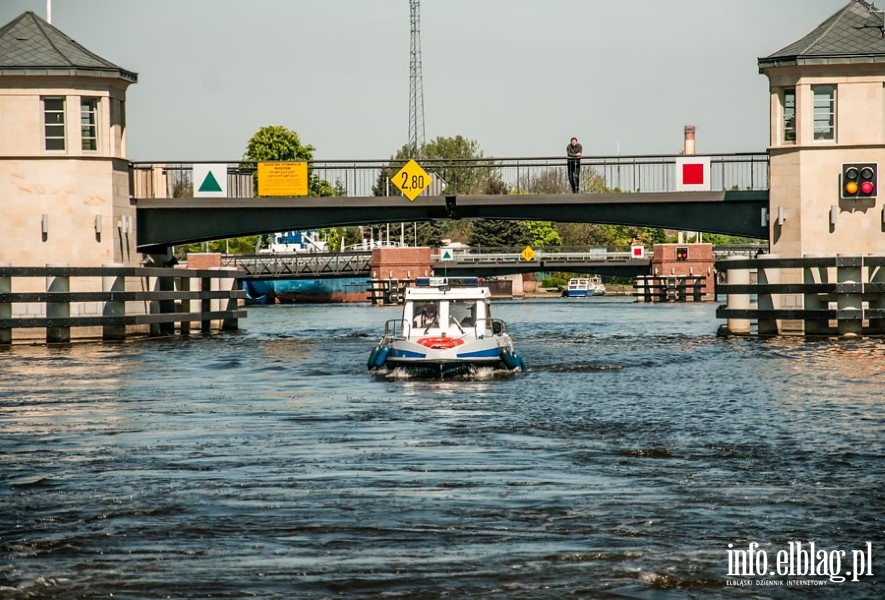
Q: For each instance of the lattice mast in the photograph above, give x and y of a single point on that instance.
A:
(416, 82)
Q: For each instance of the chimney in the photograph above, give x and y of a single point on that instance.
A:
(688, 143)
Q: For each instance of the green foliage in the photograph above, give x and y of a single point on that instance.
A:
(719, 239)
(270, 143)
(275, 142)
(547, 181)
(319, 187)
(552, 282)
(337, 237)
(495, 233)
(240, 245)
(183, 189)
(609, 236)
(430, 234)
(442, 157)
(542, 233)
(553, 180)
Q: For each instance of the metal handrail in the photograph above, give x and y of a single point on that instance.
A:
(360, 177)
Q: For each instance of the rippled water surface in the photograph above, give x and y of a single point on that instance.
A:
(268, 463)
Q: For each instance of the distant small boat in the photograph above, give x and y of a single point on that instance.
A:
(446, 327)
(581, 287)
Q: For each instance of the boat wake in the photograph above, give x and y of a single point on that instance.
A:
(471, 373)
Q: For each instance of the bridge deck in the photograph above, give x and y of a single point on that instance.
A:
(164, 222)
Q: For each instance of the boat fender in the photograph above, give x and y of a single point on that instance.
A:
(378, 356)
(382, 356)
(372, 356)
(508, 359)
(512, 360)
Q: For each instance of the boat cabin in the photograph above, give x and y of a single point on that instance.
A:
(438, 305)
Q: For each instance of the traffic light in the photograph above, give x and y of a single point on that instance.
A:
(859, 180)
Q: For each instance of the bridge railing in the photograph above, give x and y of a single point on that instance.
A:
(370, 177)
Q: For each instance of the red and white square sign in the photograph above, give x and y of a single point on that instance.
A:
(693, 174)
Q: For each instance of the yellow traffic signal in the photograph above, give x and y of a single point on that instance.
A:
(859, 180)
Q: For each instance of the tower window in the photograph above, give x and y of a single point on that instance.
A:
(790, 115)
(824, 112)
(54, 123)
(89, 123)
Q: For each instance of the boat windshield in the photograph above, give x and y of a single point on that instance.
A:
(425, 313)
(464, 312)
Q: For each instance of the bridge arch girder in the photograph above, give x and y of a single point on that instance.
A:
(165, 222)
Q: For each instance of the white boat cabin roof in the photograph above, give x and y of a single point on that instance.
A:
(440, 288)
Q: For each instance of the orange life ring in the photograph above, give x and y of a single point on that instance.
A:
(439, 343)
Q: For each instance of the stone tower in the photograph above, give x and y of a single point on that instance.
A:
(827, 109)
(64, 175)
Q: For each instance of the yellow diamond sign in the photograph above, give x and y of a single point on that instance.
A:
(528, 254)
(412, 180)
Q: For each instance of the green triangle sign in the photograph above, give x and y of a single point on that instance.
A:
(210, 184)
(447, 255)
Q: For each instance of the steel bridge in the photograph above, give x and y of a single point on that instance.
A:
(484, 262)
(626, 190)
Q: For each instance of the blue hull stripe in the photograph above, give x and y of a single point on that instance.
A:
(399, 353)
(488, 353)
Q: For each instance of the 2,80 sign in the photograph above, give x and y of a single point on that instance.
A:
(411, 180)
(415, 182)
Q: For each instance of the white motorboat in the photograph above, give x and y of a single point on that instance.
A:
(446, 327)
(581, 287)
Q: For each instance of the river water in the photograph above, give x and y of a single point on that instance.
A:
(268, 463)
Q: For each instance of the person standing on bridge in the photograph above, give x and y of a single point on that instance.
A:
(573, 151)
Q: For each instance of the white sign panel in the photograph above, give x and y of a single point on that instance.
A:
(210, 181)
(692, 174)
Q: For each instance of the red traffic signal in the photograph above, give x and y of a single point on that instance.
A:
(859, 180)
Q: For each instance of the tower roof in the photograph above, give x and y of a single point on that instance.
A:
(31, 46)
(855, 34)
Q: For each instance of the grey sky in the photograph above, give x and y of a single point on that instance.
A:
(519, 76)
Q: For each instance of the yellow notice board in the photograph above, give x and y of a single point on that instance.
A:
(282, 179)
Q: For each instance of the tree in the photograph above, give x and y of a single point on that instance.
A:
(337, 237)
(275, 142)
(553, 180)
(548, 181)
(542, 233)
(495, 233)
(457, 160)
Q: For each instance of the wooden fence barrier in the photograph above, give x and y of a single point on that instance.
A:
(116, 300)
